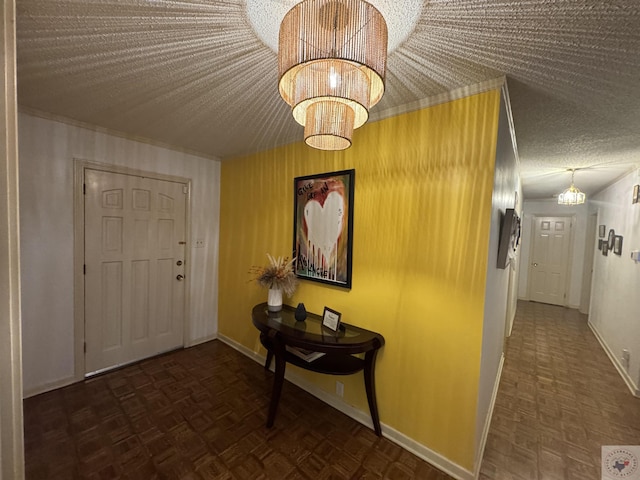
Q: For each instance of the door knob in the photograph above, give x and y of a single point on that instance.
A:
(179, 262)
(535, 264)
(179, 278)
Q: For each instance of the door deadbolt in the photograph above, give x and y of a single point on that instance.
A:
(535, 264)
(179, 262)
(179, 278)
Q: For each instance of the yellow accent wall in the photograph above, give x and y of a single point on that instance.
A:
(422, 212)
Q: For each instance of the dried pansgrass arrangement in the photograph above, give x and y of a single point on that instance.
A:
(280, 273)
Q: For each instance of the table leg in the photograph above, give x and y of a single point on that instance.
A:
(267, 342)
(278, 380)
(267, 364)
(370, 386)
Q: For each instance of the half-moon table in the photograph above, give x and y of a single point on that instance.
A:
(279, 330)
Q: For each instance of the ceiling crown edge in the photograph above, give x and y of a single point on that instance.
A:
(115, 133)
(444, 97)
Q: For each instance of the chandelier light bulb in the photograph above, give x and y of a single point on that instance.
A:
(333, 78)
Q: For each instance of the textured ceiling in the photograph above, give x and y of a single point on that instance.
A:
(195, 75)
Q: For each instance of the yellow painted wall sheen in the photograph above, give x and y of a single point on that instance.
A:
(421, 233)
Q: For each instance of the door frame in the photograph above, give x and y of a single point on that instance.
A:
(11, 388)
(589, 254)
(532, 235)
(79, 167)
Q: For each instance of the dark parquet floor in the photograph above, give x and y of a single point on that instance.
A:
(199, 414)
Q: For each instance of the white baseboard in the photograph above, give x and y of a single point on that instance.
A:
(65, 382)
(242, 349)
(198, 341)
(421, 451)
(32, 392)
(616, 363)
(425, 453)
(487, 421)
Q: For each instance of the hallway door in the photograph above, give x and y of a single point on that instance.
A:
(134, 267)
(550, 260)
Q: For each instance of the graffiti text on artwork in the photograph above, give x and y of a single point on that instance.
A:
(303, 263)
(305, 188)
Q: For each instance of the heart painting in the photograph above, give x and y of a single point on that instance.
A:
(323, 227)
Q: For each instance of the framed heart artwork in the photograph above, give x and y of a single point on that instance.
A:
(323, 227)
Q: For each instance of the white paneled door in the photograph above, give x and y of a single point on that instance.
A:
(550, 259)
(134, 261)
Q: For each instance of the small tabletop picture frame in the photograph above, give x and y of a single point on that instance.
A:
(331, 319)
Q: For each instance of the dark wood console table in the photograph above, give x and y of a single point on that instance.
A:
(280, 329)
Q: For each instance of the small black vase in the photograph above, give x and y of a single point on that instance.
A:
(301, 312)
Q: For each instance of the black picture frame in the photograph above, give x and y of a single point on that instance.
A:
(509, 237)
(617, 244)
(602, 231)
(323, 227)
(612, 235)
(331, 319)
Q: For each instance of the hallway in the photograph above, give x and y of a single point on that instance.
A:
(560, 399)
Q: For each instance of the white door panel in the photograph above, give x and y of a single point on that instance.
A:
(134, 240)
(549, 259)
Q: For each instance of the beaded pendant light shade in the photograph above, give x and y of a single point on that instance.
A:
(572, 195)
(332, 58)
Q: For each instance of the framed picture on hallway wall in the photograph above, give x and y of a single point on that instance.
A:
(617, 244)
(602, 231)
(323, 227)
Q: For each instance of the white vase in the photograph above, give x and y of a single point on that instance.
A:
(274, 300)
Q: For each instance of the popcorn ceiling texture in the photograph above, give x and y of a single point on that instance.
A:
(194, 74)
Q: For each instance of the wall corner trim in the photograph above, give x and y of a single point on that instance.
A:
(512, 128)
(421, 451)
(487, 422)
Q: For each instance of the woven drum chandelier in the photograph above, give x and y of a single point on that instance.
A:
(332, 57)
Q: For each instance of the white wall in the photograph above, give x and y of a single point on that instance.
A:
(615, 302)
(532, 208)
(506, 184)
(47, 150)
